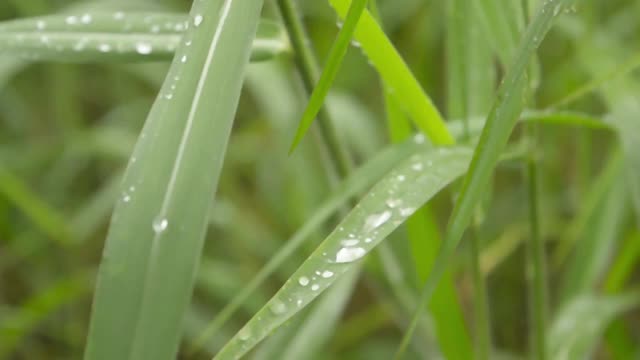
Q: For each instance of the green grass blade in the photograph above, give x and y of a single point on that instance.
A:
(157, 230)
(579, 325)
(412, 183)
(356, 183)
(494, 137)
(115, 36)
(397, 76)
(336, 55)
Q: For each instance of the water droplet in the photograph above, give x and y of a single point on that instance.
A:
(299, 302)
(71, 20)
(407, 211)
(118, 15)
(394, 202)
(160, 225)
(126, 198)
(86, 18)
(327, 274)
(315, 287)
(368, 240)
(278, 307)
(350, 242)
(40, 25)
(197, 20)
(155, 28)
(104, 47)
(417, 166)
(349, 254)
(143, 48)
(183, 58)
(419, 138)
(304, 281)
(401, 178)
(244, 334)
(375, 220)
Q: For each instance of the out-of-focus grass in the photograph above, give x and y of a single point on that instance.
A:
(67, 130)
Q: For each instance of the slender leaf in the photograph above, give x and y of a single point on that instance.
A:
(115, 36)
(412, 183)
(396, 75)
(157, 230)
(336, 55)
(500, 122)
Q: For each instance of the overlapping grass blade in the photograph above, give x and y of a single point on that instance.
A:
(157, 230)
(500, 122)
(396, 75)
(332, 65)
(397, 196)
(100, 36)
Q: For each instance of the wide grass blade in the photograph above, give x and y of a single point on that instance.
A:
(99, 36)
(397, 196)
(494, 137)
(336, 55)
(157, 230)
(396, 75)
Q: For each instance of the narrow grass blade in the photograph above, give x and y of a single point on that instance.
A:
(115, 37)
(336, 55)
(396, 75)
(157, 230)
(580, 324)
(494, 137)
(412, 183)
(358, 182)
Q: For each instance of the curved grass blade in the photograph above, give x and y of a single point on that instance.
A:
(500, 122)
(397, 76)
(336, 55)
(157, 230)
(356, 183)
(579, 325)
(411, 184)
(115, 36)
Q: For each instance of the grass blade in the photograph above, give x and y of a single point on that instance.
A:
(336, 55)
(115, 36)
(396, 75)
(382, 210)
(494, 137)
(158, 226)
